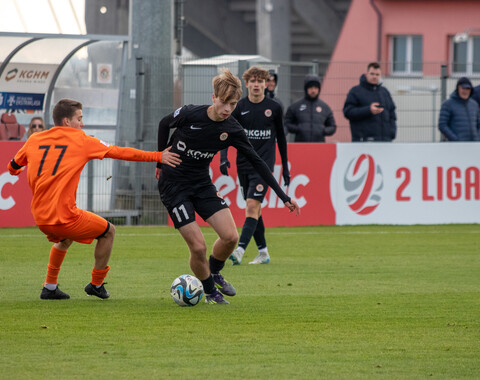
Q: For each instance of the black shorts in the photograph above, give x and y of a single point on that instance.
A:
(253, 186)
(182, 200)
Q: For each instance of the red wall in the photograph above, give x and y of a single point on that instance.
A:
(15, 194)
(436, 20)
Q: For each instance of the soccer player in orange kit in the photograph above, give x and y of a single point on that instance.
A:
(55, 159)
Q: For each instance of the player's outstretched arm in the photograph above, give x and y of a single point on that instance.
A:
(132, 154)
(293, 206)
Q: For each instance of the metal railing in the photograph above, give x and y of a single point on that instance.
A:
(127, 193)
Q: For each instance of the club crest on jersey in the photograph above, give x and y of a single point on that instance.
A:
(223, 136)
(319, 109)
(259, 188)
(177, 111)
(268, 112)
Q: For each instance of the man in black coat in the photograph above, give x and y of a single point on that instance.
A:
(310, 118)
(370, 108)
(459, 118)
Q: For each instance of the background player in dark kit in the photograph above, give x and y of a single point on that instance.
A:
(202, 131)
(262, 119)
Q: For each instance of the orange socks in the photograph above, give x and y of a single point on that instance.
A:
(54, 263)
(98, 275)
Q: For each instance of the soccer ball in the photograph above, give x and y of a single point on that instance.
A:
(186, 290)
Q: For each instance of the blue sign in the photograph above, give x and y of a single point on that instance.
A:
(16, 100)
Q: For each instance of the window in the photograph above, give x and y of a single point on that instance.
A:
(406, 55)
(466, 57)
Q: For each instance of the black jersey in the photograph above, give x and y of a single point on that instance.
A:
(197, 139)
(263, 123)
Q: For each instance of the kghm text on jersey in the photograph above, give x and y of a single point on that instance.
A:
(199, 155)
(258, 134)
(196, 154)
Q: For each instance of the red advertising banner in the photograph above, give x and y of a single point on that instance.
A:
(310, 169)
(378, 183)
(15, 194)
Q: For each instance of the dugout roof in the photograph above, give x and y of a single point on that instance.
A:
(31, 64)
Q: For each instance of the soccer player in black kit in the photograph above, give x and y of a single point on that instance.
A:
(262, 119)
(202, 131)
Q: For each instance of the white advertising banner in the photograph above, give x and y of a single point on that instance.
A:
(384, 183)
(27, 78)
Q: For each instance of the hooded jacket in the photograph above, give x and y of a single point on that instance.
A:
(364, 125)
(310, 119)
(271, 94)
(459, 118)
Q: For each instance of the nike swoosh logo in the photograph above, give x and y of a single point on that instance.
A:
(244, 112)
(257, 194)
(192, 127)
(223, 202)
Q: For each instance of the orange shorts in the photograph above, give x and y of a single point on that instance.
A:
(84, 229)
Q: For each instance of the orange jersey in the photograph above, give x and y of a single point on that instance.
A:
(55, 159)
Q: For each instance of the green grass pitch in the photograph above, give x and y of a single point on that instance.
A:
(336, 302)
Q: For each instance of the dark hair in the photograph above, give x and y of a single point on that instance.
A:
(375, 65)
(65, 108)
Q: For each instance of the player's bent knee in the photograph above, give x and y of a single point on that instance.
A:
(231, 238)
(64, 244)
(109, 234)
(198, 250)
(112, 229)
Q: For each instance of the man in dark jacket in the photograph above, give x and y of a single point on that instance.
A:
(459, 116)
(370, 108)
(310, 118)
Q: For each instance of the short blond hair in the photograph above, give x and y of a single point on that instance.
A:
(255, 72)
(227, 87)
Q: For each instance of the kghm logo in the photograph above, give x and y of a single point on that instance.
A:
(363, 181)
(11, 74)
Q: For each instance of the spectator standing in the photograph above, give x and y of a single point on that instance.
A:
(459, 118)
(310, 118)
(370, 108)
